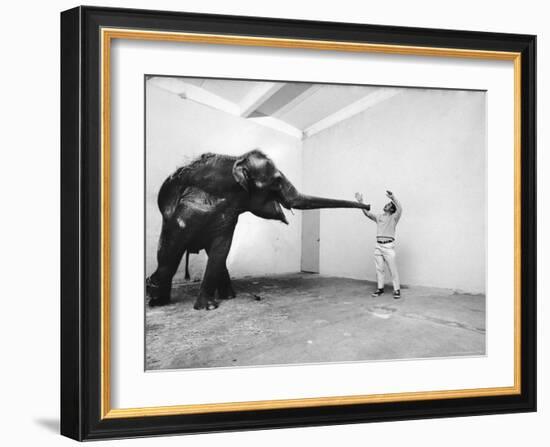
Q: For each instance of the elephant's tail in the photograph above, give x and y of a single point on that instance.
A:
(187, 276)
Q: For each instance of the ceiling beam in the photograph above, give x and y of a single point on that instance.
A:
(194, 93)
(200, 95)
(297, 100)
(354, 108)
(277, 124)
(258, 96)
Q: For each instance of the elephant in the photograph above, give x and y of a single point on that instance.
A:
(200, 204)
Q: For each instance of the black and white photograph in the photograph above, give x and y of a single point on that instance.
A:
(297, 223)
(248, 224)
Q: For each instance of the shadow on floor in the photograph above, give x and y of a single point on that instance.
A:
(51, 425)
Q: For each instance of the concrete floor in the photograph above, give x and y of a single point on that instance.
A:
(305, 318)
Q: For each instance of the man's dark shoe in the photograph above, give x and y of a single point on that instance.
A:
(378, 292)
(397, 294)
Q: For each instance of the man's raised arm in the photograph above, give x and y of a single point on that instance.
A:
(397, 203)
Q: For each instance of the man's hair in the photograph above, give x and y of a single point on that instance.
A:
(393, 207)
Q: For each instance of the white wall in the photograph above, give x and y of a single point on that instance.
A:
(180, 130)
(428, 147)
(31, 147)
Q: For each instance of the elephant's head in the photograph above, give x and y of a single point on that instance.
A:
(268, 189)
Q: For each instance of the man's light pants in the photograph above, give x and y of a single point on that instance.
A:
(385, 253)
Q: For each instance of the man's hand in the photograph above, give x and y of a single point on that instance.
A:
(389, 194)
(366, 212)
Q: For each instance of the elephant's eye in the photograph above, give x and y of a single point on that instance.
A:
(265, 183)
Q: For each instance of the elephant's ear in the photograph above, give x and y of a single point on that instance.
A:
(240, 173)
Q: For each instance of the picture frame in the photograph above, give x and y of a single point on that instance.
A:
(87, 34)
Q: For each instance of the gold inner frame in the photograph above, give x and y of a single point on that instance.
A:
(107, 35)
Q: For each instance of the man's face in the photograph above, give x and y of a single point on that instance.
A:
(388, 207)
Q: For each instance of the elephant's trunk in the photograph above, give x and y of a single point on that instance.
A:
(302, 202)
(291, 198)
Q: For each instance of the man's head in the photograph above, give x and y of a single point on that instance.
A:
(390, 208)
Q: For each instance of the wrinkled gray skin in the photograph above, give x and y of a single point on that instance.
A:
(200, 205)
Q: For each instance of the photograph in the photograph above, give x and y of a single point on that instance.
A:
(286, 222)
(291, 223)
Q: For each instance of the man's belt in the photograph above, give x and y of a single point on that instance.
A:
(385, 241)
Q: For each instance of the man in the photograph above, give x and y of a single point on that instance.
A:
(385, 242)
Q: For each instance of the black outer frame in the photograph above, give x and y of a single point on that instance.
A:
(80, 223)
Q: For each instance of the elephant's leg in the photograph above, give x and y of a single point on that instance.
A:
(225, 288)
(215, 268)
(169, 254)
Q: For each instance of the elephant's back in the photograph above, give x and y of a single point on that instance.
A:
(210, 172)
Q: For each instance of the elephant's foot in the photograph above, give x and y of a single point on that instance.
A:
(226, 294)
(152, 289)
(155, 302)
(205, 303)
